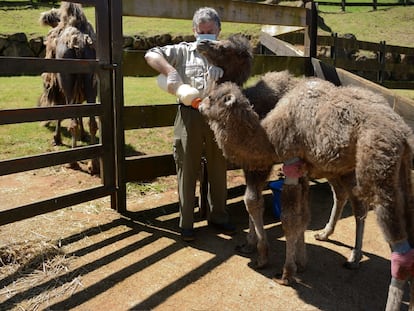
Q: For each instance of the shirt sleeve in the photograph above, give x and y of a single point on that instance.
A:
(175, 54)
(190, 65)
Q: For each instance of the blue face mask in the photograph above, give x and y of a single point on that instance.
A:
(206, 36)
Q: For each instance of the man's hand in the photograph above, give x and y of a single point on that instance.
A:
(214, 73)
(174, 81)
(187, 94)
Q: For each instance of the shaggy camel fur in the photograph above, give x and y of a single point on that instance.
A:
(263, 95)
(348, 135)
(72, 37)
(234, 54)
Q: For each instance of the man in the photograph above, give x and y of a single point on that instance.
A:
(188, 75)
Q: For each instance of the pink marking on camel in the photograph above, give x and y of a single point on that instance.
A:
(402, 265)
(293, 169)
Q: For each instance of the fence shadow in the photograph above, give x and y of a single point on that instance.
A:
(324, 284)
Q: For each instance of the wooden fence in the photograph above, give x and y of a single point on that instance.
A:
(389, 65)
(375, 4)
(105, 67)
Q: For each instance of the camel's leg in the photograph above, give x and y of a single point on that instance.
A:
(254, 204)
(342, 190)
(340, 198)
(382, 179)
(74, 130)
(93, 129)
(360, 213)
(356, 253)
(301, 258)
(395, 295)
(295, 218)
(57, 137)
(251, 237)
(253, 199)
(82, 135)
(411, 307)
(391, 216)
(93, 165)
(67, 83)
(90, 89)
(406, 183)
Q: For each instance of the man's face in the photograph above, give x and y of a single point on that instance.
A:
(207, 28)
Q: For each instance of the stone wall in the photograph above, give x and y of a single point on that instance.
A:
(19, 45)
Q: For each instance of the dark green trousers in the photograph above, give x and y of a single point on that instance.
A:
(193, 139)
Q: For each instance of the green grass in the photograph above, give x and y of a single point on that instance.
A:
(21, 139)
(27, 21)
(394, 24)
(12, 95)
(405, 93)
(368, 7)
(34, 138)
(141, 91)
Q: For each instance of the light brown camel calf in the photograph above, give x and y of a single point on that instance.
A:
(348, 135)
(235, 57)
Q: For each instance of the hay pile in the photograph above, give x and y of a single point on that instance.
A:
(34, 273)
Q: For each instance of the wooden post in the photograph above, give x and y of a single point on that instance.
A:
(381, 60)
(311, 34)
(119, 197)
(334, 47)
(343, 5)
(374, 4)
(104, 50)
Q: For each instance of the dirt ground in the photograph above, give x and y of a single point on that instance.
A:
(89, 257)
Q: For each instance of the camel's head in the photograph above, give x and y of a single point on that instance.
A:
(68, 14)
(50, 18)
(234, 55)
(225, 101)
(236, 127)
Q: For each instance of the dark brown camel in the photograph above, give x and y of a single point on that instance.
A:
(72, 37)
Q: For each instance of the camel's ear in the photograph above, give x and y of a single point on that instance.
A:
(230, 99)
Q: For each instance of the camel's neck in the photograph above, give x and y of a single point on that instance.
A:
(245, 143)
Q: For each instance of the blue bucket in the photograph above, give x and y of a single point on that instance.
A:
(276, 187)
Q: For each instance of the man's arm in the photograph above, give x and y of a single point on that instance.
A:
(160, 64)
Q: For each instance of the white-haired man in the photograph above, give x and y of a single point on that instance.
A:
(188, 74)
